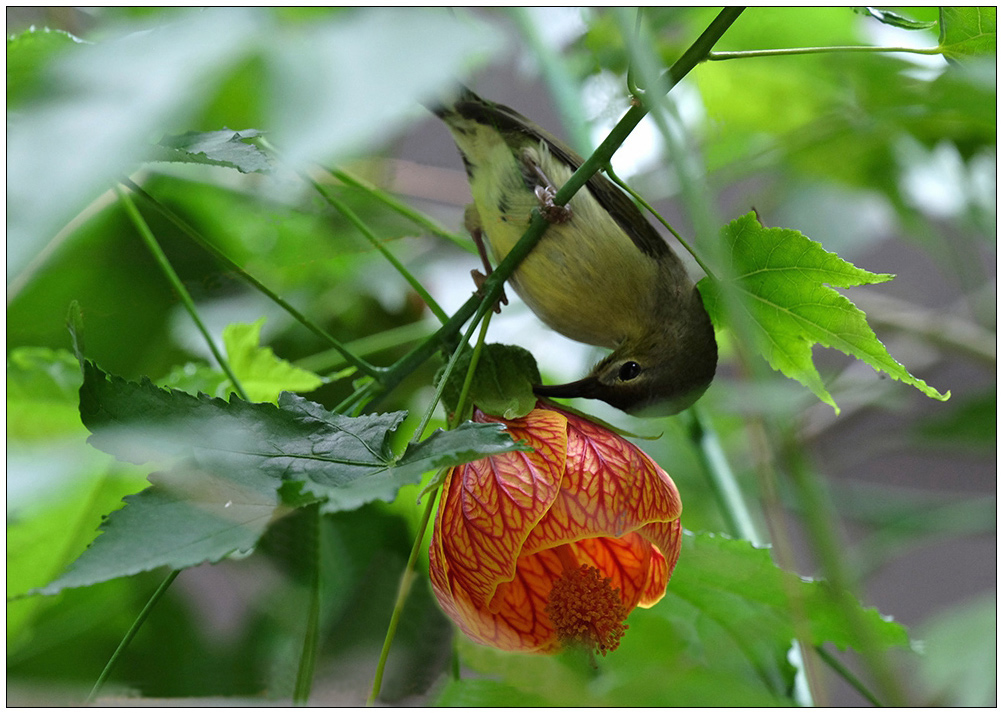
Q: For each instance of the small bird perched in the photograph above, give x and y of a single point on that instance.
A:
(600, 274)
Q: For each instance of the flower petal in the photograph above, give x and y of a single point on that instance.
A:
(610, 488)
(489, 507)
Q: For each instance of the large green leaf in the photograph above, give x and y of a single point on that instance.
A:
(967, 31)
(782, 284)
(231, 461)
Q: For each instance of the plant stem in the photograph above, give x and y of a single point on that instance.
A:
(737, 517)
(311, 637)
(848, 676)
(188, 230)
(131, 633)
(341, 207)
(402, 208)
(179, 288)
(406, 580)
(746, 54)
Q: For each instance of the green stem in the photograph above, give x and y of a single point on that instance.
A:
(848, 676)
(406, 580)
(179, 288)
(341, 207)
(745, 54)
(311, 638)
(194, 235)
(131, 633)
(737, 517)
(402, 208)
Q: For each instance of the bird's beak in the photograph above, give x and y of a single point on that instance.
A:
(586, 388)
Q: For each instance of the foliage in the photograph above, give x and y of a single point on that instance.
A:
(305, 509)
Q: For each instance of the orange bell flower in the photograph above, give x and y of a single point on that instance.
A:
(533, 551)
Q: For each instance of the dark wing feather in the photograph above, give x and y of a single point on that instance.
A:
(608, 195)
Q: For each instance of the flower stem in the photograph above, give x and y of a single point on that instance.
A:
(179, 288)
(131, 633)
(311, 637)
(406, 580)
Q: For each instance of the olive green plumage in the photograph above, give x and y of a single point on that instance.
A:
(603, 276)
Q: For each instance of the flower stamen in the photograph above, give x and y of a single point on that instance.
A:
(585, 610)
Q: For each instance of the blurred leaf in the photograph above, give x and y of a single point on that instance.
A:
(966, 31)
(217, 148)
(893, 19)
(959, 665)
(783, 279)
(262, 374)
(41, 392)
(972, 422)
(484, 693)
(27, 55)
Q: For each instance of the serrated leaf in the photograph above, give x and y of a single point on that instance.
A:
(216, 148)
(967, 31)
(235, 462)
(198, 512)
(262, 374)
(894, 19)
(783, 281)
(722, 578)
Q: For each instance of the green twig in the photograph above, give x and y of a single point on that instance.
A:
(406, 580)
(848, 676)
(747, 54)
(179, 288)
(416, 217)
(131, 633)
(311, 637)
(341, 207)
(194, 235)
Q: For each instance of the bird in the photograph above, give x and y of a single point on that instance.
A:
(601, 274)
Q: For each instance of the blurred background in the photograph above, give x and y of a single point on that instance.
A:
(888, 160)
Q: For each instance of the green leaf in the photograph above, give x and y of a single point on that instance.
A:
(959, 663)
(894, 19)
(482, 692)
(27, 55)
(966, 31)
(502, 384)
(233, 459)
(730, 581)
(217, 148)
(262, 374)
(784, 282)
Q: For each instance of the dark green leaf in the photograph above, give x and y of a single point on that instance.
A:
(894, 19)
(971, 423)
(783, 281)
(967, 31)
(233, 459)
(217, 148)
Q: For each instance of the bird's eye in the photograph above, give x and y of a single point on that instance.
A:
(629, 370)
